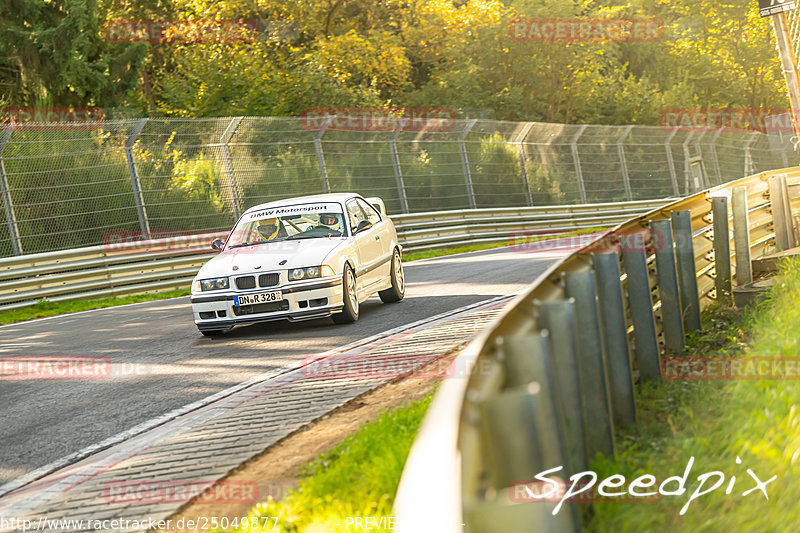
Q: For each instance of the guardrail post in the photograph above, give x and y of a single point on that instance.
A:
(521, 153)
(722, 247)
(671, 315)
(233, 190)
(671, 162)
(621, 150)
(517, 425)
(687, 271)
(614, 335)
(558, 319)
(787, 209)
(323, 169)
(577, 160)
(465, 162)
(398, 174)
(777, 206)
(527, 359)
(591, 364)
(144, 224)
(741, 236)
(648, 355)
(5, 190)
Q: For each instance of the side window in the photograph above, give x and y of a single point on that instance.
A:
(355, 214)
(372, 214)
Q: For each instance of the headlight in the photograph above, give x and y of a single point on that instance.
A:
(310, 272)
(214, 284)
(196, 286)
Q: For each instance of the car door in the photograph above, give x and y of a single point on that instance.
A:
(368, 247)
(382, 234)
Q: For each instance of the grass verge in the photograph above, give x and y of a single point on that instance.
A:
(46, 308)
(357, 477)
(716, 422)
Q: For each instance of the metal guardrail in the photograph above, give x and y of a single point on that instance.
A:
(120, 269)
(548, 381)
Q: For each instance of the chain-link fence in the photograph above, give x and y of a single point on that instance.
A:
(81, 185)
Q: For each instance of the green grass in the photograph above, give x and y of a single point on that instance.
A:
(716, 422)
(46, 308)
(357, 477)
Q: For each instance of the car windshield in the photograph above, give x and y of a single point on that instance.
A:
(303, 221)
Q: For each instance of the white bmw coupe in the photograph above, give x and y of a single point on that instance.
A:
(298, 259)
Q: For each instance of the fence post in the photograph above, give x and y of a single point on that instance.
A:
(323, 169)
(521, 151)
(749, 167)
(398, 174)
(671, 315)
(591, 364)
(5, 190)
(577, 160)
(705, 183)
(741, 236)
(671, 161)
(625, 178)
(228, 166)
(465, 163)
(722, 247)
(687, 271)
(648, 354)
(687, 162)
(714, 157)
(144, 224)
(614, 336)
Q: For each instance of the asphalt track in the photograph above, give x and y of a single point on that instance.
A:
(160, 362)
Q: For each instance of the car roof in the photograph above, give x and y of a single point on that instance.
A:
(332, 197)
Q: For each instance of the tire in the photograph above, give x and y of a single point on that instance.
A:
(349, 312)
(396, 292)
(212, 332)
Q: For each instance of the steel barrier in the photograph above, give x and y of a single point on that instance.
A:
(126, 268)
(546, 383)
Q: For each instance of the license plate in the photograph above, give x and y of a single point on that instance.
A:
(259, 298)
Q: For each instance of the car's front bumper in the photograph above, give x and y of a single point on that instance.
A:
(301, 300)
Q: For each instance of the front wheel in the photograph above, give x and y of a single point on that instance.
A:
(396, 292)
(349, 312)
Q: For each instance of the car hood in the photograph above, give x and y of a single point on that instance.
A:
(267, 257)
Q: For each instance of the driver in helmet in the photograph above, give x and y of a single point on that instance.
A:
(268, 228)
(328, 221)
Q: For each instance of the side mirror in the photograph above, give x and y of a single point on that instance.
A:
(218, 244)
(364, 224)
